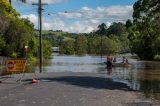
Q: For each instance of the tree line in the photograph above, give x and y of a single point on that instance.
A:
(102, 41)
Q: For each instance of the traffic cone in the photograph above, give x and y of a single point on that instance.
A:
(34, 81)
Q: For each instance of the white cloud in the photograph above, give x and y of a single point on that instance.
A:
(32, 17)
(70, 15)
(109, 13)
(87, 9)
(112, 13)
(80, 26)
(46, 1)
(56, 24)
(108, 24)
(94, 21)
(75, 27)
(84, 20)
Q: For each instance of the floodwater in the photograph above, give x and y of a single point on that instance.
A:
(143, 76)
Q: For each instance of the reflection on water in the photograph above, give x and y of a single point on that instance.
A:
(141, 76)
(74, 64)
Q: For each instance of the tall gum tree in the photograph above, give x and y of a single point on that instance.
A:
(146, 17)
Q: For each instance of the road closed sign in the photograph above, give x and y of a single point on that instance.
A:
(14, 65)
(10, 65)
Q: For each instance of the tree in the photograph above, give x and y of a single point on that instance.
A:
(17, 35)
(108, 46)
(2, 42)
(146, 19)
(81, 45)
(128, 23)
(7, 16)
(46, 49)
(91, 44)
(67, 46)
(102, 29)
(117, 29)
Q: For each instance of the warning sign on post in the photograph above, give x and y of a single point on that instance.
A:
(15, 65)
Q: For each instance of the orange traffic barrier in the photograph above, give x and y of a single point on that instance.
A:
(34, 81)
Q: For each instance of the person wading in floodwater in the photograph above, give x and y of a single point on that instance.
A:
(124, 60)
(109, 61)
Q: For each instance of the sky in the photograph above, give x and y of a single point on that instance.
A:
(76, 16)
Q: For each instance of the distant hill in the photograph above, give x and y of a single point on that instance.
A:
(55, 37)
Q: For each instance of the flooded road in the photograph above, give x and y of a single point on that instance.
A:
(142, 76)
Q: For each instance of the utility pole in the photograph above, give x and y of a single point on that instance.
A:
(40, 31)
(10, 1)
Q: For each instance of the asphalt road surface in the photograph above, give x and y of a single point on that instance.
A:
(68, 89)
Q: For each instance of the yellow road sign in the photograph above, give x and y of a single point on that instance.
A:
(14, 65)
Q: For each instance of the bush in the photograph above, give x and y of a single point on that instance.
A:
(157, 57)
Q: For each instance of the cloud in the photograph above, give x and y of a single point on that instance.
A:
(102, 13)
(32, 17)
(108, 13)
(56, 24)
(74, 27)
(81, 26)
(46, 1)
(85, 19)
(70, 15)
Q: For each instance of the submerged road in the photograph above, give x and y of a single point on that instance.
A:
(68, 89)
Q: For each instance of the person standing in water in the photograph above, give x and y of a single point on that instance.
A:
(125, 60)
(109, 61)
(114, 60)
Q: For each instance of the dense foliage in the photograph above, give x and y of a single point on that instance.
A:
(145, 33)
(101, 42)
(16, 33)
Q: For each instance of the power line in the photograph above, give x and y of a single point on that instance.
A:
(84, 17)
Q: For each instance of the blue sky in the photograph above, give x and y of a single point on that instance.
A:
(81, 16)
